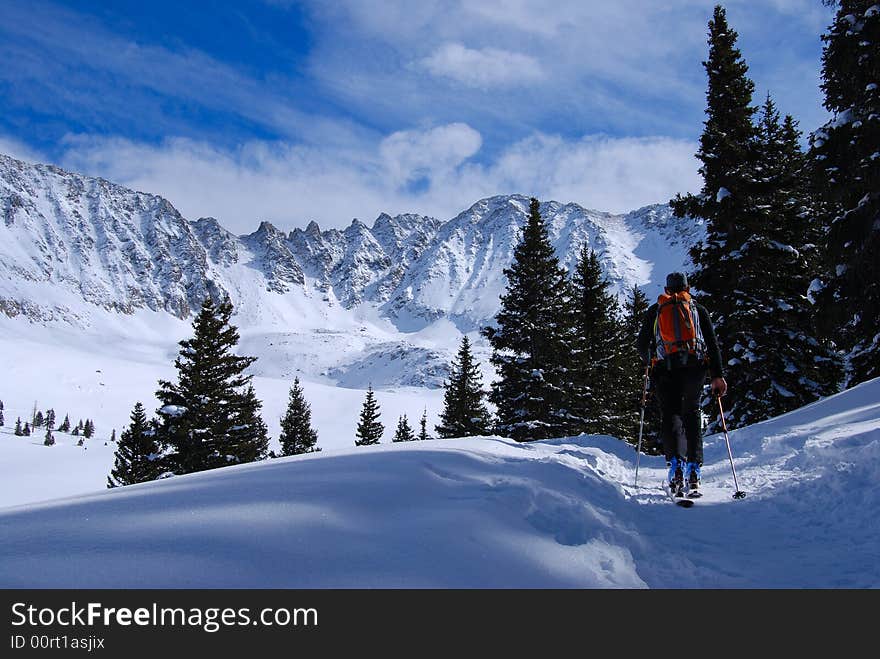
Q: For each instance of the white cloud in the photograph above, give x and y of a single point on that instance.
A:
(487, 67)
(19, 150)
(289, 185)
(414, 154)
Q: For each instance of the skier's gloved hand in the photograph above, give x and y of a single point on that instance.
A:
(719, 386)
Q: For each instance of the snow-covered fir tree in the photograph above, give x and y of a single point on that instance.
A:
(423, 426)
(137, 453)
(248, 437)
(27, 429)
(776, 363)
(595, 370)
(369, 428)
(297, 434)
(728, 154)
(202, 414)
(88, 429)
(49, 438)
(65, 425)
(464, 408)
(18, 430)
(38, 420)
(529, 339)
(404, 432)
(2, 421)
(846, 160)
(49, 419)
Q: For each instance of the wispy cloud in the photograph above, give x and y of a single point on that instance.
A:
(290, 185)
(484, 68)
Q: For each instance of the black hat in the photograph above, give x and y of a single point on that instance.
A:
(676, 282)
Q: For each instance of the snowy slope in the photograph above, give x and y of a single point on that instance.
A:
(484, 513)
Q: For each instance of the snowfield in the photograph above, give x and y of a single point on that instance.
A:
(478, 512)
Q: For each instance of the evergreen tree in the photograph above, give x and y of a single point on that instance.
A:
(728, 151)
(423, 426)
(369, 429)
(49, 420)
(529, 341)
(2, 421)
(776, 362)
(634, 310)
(208, 418)
(38, 420)
(65, 425)
(137, 454)
(297, 434)
(80, 425)
(88, 429)
(27, 429)
(404, 432)
(18, 431)
(595, 376)
(76, 431)
(113, 435)
(464, 412)
(847, 173)
(248, 437)
(49, 439)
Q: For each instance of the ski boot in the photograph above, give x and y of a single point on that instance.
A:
(692, 469)
(676, 478)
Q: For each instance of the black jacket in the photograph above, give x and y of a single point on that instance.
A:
(646, 344)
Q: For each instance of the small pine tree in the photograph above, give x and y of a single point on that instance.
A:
(49, 439)
(27, 429)
(369, 429)
(75, 432)
(423, 426)
(404, 432)
(248, 439)
(88, 429)
(65, 425)
(18, 431)
(137, 454)
(297, 434)
(464, 412)
(38, 420)
(50, 418)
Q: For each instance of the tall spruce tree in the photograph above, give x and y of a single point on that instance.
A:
(137, 453)
(297, 434)
(369, 428)
(38, 419)
(208, 418)
(423, 426)
(776, 363)
(595, 374)
(65, 425)
(88, 429)
(49, 439)
(464, 410)
(529, 342)
(847, 173)
(18, 431)
(728, 150)
(404, 432)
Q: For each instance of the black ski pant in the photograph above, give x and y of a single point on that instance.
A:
(679, 391)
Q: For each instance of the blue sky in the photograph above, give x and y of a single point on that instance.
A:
(290, 111)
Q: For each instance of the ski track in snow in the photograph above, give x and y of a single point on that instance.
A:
(482, 512)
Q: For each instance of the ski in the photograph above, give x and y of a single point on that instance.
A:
(681, 501)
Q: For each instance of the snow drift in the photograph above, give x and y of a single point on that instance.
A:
(484, 512)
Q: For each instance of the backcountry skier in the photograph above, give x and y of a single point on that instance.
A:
(678, 339)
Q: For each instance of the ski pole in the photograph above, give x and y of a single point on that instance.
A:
(642, 422)
(738, 494)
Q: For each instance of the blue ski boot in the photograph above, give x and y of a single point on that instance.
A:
(692, 469)
(675, 477)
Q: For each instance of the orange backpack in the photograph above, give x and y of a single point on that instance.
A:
(677, 331)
